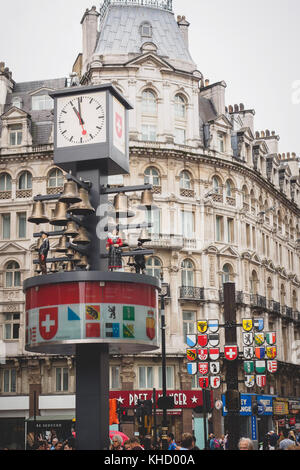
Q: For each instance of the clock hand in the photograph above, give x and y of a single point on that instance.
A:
(80, 121)
(79, 108)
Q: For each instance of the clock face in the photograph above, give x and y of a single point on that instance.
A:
(81, 120)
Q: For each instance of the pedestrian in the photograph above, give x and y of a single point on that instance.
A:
(171, 441)
(286, 441)
(54, 443)
(214, 444)
(195, 447)
(245, 444)
(126, 445)
(135, 444)
(272, 440)
(59, 446)
(187, 442)
(292, 436)
(117, 442)
(69, 444)
(222, 442)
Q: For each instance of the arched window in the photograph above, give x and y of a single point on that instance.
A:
(229, 188)
(187, 273)
(149, 105)
(227, 273)
(25, 180)
(253, 282)
(185, 180)
(216, 185)
(153, 267)
(180, 107)
(151, 176)
(5, 182)
(12, 274)
(55, 178)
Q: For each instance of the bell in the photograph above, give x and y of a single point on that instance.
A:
(39, 244)
(37, 269)
(54, 268)
(70, 253)
(62, 247)
(147, 201)
(144, 236)
(121, 206)
(69, 266)
(76, 257)
(82, 237)
(83, 207)
(38, 214)
(71, 230)
(70, 193)
(83, 262)
(60, 214)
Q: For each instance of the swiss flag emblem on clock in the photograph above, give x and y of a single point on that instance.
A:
(119, 125)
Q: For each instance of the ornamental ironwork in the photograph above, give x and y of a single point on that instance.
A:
(161, 4)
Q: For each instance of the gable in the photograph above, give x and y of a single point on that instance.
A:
(41, 91)
(229, 251)
(149, 59)
(11, 248)
(14, 113)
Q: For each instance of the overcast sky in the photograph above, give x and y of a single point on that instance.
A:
(252, 45)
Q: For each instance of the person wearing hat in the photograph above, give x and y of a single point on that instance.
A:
(43, 252)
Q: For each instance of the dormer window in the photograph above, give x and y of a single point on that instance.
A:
(146, 30)
(42, 102)
(15, 135)
(17, 102)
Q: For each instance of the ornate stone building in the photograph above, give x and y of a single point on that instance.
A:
(228, 209)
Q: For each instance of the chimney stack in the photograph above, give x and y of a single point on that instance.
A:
(183, 25)
(89, 36)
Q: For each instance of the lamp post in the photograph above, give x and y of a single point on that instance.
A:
(163, 294)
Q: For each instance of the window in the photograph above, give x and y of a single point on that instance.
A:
(42, 102)
(154, 218)
(151, 176)
(145, 377)
(189, 323)
(216, 185)
(253, 282)
(254, 238)
(169, 378)
(62, 379)
(227, 273)
(11, 326)
(55, 178)
(187, 273)
(185, 180)
(12, 275)
(219, 228)
(146, 30)
(5, 226)
(16, 101)
(229, 188)
(25, 180)
(179, 136)
(22, 221)
(248, 236)
(15, 135)
(221, 142)
(5, 182)
(149, 132)
(153, 267)
(187, 224)
(180, 107)
(114, 377)
(230, 230)
(149, 102)
(9, 381)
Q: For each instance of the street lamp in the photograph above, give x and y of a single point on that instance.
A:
(163, 294)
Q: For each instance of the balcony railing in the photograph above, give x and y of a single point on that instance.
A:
(258, 301)
(191, 293)
(239, 296)
(287, 312)
(161, 4)
(274, 306)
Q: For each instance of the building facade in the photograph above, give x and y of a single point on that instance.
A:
(228, 212)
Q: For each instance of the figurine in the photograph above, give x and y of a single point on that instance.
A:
(139, 260)
(43, 252)
(114, 244)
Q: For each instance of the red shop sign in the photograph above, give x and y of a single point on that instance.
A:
(182, 398)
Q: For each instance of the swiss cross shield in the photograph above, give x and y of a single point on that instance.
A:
(48, 322)
(119, 125)
(202, 354)
(203, 368)
(203, 382)
(202, 340)
(231, 352)
(272, 366)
